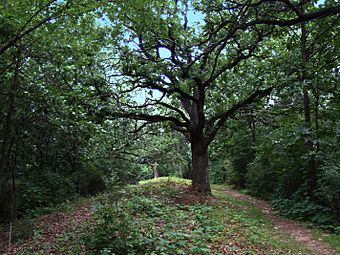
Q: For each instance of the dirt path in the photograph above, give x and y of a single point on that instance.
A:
(300, 233)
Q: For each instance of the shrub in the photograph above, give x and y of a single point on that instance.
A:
(329, 186)
(305, 209)
(116, 227)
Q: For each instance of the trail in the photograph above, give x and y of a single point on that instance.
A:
(296, 230)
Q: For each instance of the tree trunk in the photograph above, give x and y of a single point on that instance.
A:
(180, 169)
(12, 189)
(252, 126)
(180, 165)
(317, 99)
(312, 171)
(309, 144)
(155, 170)
(200, 175)
(7, 134)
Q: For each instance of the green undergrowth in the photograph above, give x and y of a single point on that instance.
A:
(331, 238)
(168, 179)
(25, 227)
(305, 210)
(254, 219)
(165, 216)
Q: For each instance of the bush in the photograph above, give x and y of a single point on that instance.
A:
(329, 186)
(277, 170)
(142, 220)
(307, 210)
(116, 229)
(91, 182)
(242, 156)
(219, 170)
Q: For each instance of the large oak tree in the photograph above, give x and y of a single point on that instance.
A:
(171, 62)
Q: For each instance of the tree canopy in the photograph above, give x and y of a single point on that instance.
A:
(186, 70)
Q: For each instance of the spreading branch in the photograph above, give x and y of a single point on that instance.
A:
(146, 117)
(322, 13)
(216, 122)
(23, 32)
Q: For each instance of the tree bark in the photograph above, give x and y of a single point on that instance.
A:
(155, 170)
(7, 136)
(307, 113)
(12, 188)
(180, 169)
(252, 126)
(200, 175)
(309, 143)
(180, 151)
(316, 115)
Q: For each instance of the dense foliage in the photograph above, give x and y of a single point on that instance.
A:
(92, 93)
(165, 216)
(287, 149)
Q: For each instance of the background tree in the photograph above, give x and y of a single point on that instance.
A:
(47, 54)
(279, 167)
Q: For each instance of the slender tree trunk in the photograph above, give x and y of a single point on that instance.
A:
(6, 140)
(180, 169)
(155, 170)
(180, 165)
(13, 204)
(317, 98)
(309, 143)
(307, 113)
(252, 126)
(200, 175)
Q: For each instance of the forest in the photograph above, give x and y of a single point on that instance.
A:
(169, 127)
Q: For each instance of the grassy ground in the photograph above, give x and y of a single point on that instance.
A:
(162, 216)
(332, 239)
